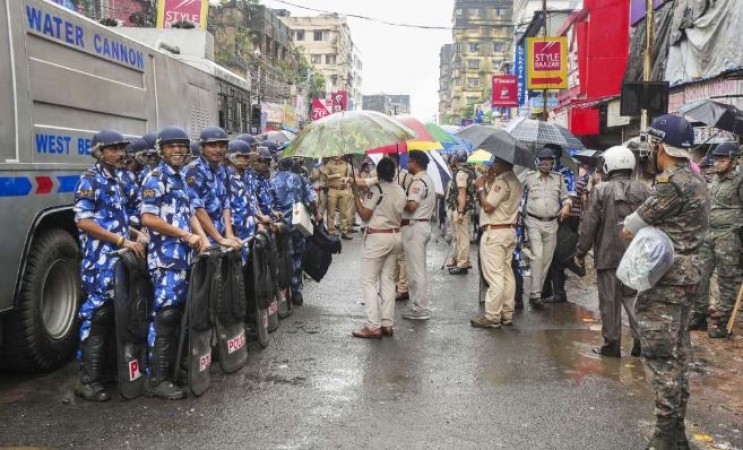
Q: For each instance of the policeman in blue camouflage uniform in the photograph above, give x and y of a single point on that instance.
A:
(168, 211)
(721, 249)
(262, 171)
(101, 217)
(207, 178)
(287, 188)
(128, 177)
(679, 207)
(553, 290)
(242, 201)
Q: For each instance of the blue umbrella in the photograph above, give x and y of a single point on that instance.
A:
(460, 144)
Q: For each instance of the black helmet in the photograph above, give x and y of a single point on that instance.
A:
(213, 135)
(109, 138)
(172, 135)
(727, 150)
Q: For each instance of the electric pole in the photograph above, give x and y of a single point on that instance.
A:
(545, 114)
(648, 68)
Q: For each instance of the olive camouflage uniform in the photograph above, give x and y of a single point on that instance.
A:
(679, 207)
(722, 248)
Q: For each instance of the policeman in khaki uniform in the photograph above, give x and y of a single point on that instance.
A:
(416, 232)
(339, 194)
(547, 201)
(382, 210)
(499, 194)
(320, 185)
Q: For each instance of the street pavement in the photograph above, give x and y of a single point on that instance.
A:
(436, 384)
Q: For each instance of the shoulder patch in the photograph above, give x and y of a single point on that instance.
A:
(86, 193)
(148, 193)
(155, 172)
(191, 180)
(663, 179)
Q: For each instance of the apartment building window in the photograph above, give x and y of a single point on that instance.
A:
(499, 12)
(316, 59)
(473, 63)
(499, 47)
(456, 81)
(320, 35)
(330, 59)
(473, 82)
(299, 35)
(474, 12)
(473, 47)
(458, 11)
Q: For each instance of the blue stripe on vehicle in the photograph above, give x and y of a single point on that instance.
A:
(15, 186)
(67, 183)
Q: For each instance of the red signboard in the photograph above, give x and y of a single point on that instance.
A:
(547, 64)
(319, 110)
(505, 91)
(173, 11)
(340, 101)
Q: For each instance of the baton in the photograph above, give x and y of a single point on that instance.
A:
(734, 313)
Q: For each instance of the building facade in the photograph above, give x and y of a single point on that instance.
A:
(445, 56)
(327, 44)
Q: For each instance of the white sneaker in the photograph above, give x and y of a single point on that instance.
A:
(417, 315)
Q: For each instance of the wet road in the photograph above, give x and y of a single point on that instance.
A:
(436, 384)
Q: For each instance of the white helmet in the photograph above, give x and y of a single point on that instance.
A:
(618, 158)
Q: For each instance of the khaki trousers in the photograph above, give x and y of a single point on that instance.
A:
(460, 242)
(339, 198)
(415, 239)
(496, 251)
(322, 201)
(377, 277)
(401, 273)
(542, 240)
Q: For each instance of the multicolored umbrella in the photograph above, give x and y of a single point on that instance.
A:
(479, 157)
(279, 137)
(423, 139)
(406, 146)
(347, 132)
(439, 134)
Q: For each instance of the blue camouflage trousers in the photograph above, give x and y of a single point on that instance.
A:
(663, 320)
(171, 289)
(299, 245)
(98, 288)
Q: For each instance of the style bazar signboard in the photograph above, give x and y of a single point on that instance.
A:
(547, 62)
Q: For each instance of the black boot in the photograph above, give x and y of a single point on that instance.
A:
(698, 322)
(536, 303)
(636, 348)
(90, 387)
(682, 442)
(161, 365)
(665, 435)
(609, 349)
(297, 299)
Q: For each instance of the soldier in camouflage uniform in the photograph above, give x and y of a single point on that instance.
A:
(721, 248)
(679, 207)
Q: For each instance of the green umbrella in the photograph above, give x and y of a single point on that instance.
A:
(347, 132)
(439, 134)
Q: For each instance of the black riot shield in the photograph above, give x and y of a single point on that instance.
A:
(271, 258)
(284, 271)
(258, 287)
(196, 327)
(231, 306)
(133, 299)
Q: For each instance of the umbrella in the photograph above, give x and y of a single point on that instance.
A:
(498, 143)
(406, 146)
(715, 114)
(279, 137)
(537, 134)
(480, 157)
(589, 157)
(347, 132)
(423, 139)
(437, 170)
(439, 134)
(460, 144)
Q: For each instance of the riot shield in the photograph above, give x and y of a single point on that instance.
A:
(271, 258)
(133, 299)
(231, 306)
(284, 272)
(256, 277)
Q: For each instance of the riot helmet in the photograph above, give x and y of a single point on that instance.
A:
(213, 142)
(173, 144)
(725, 157)
(546, 159)
(618, 158)
(109, 148)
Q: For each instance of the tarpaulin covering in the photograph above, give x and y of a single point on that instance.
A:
(663, 21)
(705, 39)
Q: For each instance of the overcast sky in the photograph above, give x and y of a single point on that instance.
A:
(396, 60)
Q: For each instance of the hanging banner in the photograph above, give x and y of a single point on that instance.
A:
(174, 11)
(319, 110)
(505, 91)
(547, 64)
(340, 101)
(519, 70)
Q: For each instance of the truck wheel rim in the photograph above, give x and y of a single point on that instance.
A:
(59, 295)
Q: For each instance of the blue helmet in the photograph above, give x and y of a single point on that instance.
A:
(264, 154)
(247, 138)
(151, 139)
(213, 135)
(109, 138)
(674, 131)
(728, 149)
(137, 145)
(195, 149)
(238, 147)
(171, 135)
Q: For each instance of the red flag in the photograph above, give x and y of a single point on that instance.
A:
(318, 110)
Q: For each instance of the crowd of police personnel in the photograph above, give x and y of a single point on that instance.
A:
(165, 199)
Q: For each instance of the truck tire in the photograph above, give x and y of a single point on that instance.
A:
(42, 333)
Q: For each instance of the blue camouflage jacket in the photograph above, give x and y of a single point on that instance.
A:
(130, 189)
(210, 188)
(287, 188)
(263, 193)
(166, 195)
(242, 204)
(569, 178)
(98, 196)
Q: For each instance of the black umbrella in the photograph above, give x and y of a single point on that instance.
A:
(715, 114)
(499, 143)
(589, 157)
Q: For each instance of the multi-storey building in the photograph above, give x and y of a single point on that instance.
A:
(400, 104)
(327, 44)
(482, 35)
(445, 56)
(523, 10)
(355, 95)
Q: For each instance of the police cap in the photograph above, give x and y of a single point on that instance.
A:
(674, 131)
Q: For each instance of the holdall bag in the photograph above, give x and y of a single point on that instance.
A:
(302, 219)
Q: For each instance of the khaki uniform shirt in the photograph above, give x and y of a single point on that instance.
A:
(422, 192)
(318, 179)
(387, 200)
(546, 195)
(334, 172)
(505, 195)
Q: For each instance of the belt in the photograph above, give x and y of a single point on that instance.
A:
(498, 227)
(370, 230)
(543, 219)
(339, 187)
(406, 222)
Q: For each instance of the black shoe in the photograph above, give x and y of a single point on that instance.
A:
(297, 299)
(519, 305)
(665, 435)
(93, 392)
(458, 271)
(636, 348)
(556, 298)
(609, 350)
(698, 322)
(346, 236)
(536, 303)
(163, 389)
(718, 333)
